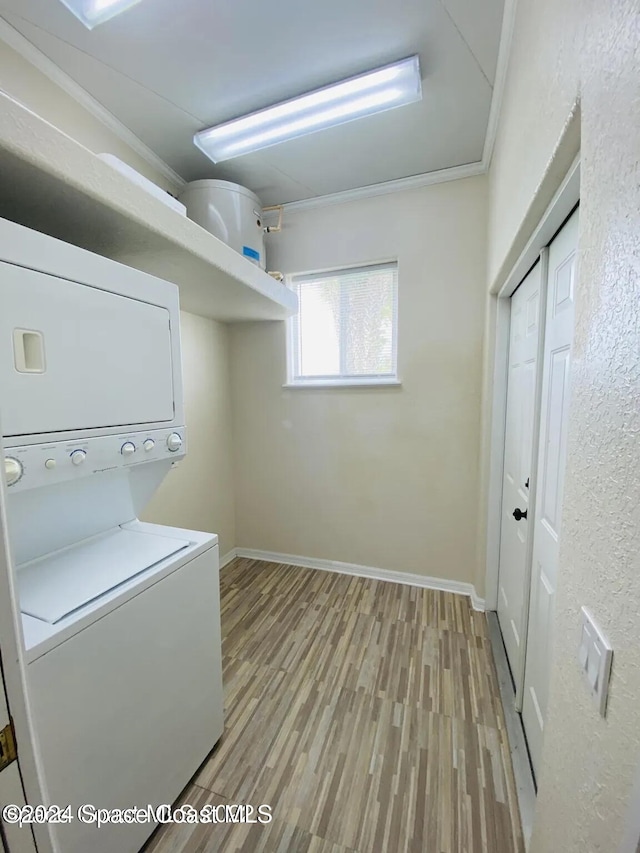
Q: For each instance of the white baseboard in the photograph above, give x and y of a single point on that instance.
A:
(228, 557)
(476, 602)
(360, 571)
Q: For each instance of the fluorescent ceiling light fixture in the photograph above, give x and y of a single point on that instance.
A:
(383, 89)
(94, 12)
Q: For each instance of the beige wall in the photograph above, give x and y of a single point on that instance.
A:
(381, 477)
(562, 49)
(24, 82)
(198, 494)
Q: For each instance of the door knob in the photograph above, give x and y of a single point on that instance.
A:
(518, 514)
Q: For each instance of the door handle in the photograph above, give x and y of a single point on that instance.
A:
(518, 514)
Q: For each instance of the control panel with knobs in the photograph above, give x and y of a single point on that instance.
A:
(174, 442)
(13, 470)
(49, 463)
(78, 457)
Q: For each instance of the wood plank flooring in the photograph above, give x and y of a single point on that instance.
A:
(365, 713)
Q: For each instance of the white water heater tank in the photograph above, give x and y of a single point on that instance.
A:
(230, 212)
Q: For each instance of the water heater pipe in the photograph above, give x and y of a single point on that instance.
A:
(274, 229)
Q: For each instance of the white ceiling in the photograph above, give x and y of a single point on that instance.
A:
(167, 69)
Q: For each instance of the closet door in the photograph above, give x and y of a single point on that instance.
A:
(552, 458)
(515, 552)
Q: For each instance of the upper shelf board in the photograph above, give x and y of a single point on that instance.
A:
(55, 185)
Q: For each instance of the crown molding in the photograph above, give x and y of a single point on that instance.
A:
(455, 173)
(32, 54)
(499, 83)
(10, 36)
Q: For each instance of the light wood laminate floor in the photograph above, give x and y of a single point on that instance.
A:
(365, 713)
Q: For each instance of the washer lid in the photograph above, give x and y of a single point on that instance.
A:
(54, 586)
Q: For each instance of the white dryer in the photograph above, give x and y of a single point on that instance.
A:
(120, 620)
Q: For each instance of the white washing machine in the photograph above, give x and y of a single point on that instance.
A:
(120, 620)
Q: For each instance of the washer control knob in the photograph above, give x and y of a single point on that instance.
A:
(128, 448)
(50, 464)
(174, 442)
(149, 444)
(78, 457)
(13, 470)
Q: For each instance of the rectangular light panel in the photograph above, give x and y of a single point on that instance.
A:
(383, 89)
(94, 12)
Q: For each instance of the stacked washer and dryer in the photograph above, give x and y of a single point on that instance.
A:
(118, 620)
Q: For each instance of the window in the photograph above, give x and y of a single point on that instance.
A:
(345, 332)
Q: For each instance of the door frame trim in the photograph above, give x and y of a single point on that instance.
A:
(562, 204)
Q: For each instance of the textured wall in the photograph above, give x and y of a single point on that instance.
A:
(563, 49)
(199, 493)
(384, 477)
(541, 88)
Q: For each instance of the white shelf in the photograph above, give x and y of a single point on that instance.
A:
(55, 185)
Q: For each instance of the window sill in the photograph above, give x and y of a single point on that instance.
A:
(343, 383)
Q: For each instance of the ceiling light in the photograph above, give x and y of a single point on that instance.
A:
(382, 89)
(94, 12)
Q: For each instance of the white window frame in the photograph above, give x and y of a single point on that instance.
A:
(365, 381)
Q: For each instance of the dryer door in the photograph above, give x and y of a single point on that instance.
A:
(75, 357)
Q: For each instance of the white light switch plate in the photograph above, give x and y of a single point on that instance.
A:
(594, 656)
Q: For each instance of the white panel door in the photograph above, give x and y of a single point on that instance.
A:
(513, 582)
(76, 357)
(552, 459)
